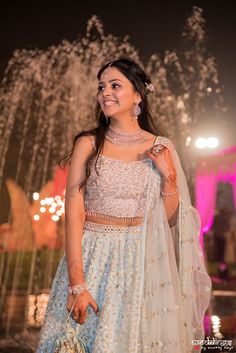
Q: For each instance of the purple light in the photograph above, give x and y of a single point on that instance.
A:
(220, 167)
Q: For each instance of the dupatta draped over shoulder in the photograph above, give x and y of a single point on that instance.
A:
(176, 287)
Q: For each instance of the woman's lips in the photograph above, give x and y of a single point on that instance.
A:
(109, 103)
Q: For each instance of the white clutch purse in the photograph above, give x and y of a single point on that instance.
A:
(69, 342)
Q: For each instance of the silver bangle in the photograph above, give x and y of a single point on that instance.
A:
(77, 289)
(171, 193)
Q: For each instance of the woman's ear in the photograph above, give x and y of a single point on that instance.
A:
(138, 98)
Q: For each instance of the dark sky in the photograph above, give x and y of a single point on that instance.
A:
(153, 26)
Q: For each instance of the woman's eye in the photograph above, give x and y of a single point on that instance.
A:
(115, 85)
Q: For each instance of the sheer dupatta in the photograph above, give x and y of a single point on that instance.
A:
(176, 287)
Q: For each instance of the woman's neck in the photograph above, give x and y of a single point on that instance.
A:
(125, 126)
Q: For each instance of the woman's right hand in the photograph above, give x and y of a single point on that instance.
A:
(79, 313)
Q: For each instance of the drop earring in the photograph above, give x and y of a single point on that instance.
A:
(136, 110)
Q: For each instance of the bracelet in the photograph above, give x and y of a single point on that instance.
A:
(169, 193)
(77, 289)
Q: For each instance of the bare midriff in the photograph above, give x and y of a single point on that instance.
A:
(101, 218)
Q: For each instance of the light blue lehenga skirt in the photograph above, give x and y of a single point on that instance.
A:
(112, 267)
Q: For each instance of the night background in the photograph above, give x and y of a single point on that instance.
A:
(37, 126)
(153, 26)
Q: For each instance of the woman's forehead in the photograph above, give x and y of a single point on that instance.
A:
(111, 73)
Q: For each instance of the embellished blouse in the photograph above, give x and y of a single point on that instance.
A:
(119, 189)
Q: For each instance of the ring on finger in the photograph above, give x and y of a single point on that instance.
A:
(158, 148)
(156, 151)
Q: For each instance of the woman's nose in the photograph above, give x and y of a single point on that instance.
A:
(106, 91)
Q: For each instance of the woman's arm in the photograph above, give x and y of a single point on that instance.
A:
(171, 202)
(75, 210)
(161, 157)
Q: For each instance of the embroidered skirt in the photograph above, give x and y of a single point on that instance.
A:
(112, 267)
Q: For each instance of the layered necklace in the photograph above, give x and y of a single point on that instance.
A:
(125, 138)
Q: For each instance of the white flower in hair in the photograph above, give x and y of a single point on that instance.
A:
(150, 87)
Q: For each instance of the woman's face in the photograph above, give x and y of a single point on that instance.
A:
(116, 94)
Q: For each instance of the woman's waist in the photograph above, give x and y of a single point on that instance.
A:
(111, 229)
(110, 220)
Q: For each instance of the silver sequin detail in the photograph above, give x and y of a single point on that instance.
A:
(120, 189)
(111, 228)
(113, 273)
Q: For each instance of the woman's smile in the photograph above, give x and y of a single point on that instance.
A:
(109, 102)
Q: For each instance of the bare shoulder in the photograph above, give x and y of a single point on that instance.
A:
(83, 147)
(85, 142)
(160, 139)
(149, 135)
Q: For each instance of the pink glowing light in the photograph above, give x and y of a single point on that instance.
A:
(220, 167)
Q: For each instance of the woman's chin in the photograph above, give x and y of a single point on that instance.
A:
(109, 110)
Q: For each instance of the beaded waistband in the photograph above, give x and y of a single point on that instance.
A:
(112, 218)
(97, 227)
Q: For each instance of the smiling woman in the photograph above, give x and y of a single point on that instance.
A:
(116, 93)
(132, 275)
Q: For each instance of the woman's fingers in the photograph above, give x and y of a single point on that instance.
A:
(79, 313)
(83, 311)
(154, 155)
(82, 315)
(75, 315)
(162, 154)
(161, 157)
(156, 149)
(94, 306)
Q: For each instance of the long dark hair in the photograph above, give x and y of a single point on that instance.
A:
(136, 75)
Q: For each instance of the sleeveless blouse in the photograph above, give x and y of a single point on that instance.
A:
(120, 188)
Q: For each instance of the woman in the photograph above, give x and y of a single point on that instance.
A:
(133, 268)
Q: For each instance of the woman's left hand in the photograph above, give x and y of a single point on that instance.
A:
(160, 155)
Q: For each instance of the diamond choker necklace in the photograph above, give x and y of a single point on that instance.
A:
(125, 138)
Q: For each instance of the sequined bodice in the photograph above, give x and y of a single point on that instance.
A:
(120, 189)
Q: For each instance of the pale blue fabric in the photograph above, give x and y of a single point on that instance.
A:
(112, 270)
